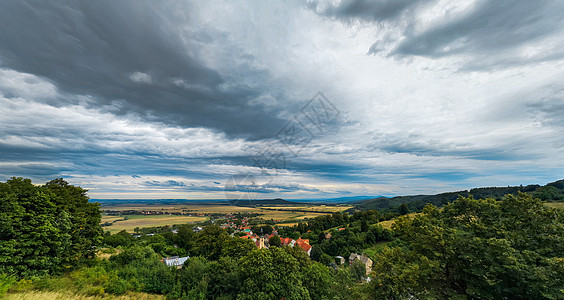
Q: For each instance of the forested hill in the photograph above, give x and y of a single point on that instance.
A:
(553, 191)
(276, 201)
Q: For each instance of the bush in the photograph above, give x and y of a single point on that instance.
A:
(6, 282)
(116, 286)
(23, 285)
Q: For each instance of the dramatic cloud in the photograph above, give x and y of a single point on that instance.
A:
(215, 99)
(133, 52)
(378, 10)
(492, 33)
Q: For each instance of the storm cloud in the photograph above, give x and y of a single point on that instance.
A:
(133, 55)
(144, 99)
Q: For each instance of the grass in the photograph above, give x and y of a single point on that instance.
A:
(556, 204)
(60, 295)
(150, 221)
(388, 224)
(373, 251)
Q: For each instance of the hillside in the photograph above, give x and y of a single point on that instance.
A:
(277, 201)
(553, 191)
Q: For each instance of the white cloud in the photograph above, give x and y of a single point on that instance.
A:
(141, 77)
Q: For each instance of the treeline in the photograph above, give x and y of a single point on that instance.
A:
(553, 191)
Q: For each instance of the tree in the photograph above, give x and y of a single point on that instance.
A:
(121, 238)
(364, 226)
(223, 278)
(184, 238)
(486, 249)
(547, 193)
(317, 279)
(271, 274)
(86, 232)
(194, 280)
(274, 241)
(209, 242)
(237, 248)
(46, 229)
(316, 253)
(403, 209)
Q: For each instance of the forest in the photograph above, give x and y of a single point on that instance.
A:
(507, 247)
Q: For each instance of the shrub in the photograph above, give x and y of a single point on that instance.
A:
(6, 282)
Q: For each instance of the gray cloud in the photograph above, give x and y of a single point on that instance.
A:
(489, 26)
(491, 33)
(375, 10)
(126, 51)
(548, 108)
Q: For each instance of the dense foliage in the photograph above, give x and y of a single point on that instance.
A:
(45, 229)
(553, 191)
(485, 249)
(507, 248)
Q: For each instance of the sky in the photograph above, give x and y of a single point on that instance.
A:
(291, 99)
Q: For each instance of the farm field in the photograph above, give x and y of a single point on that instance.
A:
(147, 221)
(280, 213)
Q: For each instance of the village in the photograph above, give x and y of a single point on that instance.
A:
(264, 241)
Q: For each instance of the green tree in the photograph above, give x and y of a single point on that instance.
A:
(318, 279)
(45, 229)
(547, 193)
(194, 278)
(271, 274)
(236, 247)
(487, 248)
(209, 242)
(223, 278)
(403, 209)
(274, 241)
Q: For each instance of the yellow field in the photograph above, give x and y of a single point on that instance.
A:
(277, 213)
(197, 208)
(149, 221)
(106, 218)
(287, 224)
(556, 204)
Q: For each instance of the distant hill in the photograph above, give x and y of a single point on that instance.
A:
(417, 202)
(277, 201)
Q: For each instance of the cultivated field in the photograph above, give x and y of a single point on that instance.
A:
(147, 221)
(279, 213)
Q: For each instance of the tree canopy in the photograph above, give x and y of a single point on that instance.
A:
(487, 249)
(45, 229)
